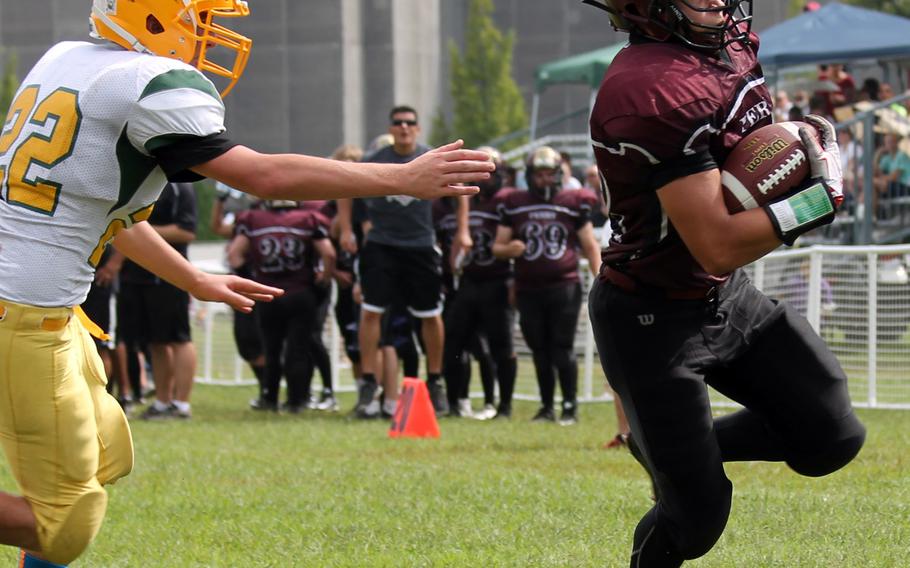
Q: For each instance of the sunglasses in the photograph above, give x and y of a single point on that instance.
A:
(402, 122)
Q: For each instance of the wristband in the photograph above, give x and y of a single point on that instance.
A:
(801, 212)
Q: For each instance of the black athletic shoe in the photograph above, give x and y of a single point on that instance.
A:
(263, 405)
(438, 398)
(569, 415)
(152, 413)
(365, 395)
(503, 413)
(545, 414)
(293, 408)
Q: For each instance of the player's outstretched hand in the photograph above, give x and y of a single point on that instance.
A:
(439, 172)
(239, 293)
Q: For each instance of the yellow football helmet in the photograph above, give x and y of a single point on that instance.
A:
(179, 29)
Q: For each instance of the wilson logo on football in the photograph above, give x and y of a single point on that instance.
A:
(766, 153)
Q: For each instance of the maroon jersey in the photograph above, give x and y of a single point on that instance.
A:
(445, 222)
(479, 263)
(483, 219)
(549, 230)
(281, 245)
(664, 112)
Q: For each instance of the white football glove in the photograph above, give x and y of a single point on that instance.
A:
(824, 158)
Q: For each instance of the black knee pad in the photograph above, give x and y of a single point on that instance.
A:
(704, 522)
(850, 434)
(661, 543)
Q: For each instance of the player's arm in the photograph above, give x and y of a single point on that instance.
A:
(589, 246)
(461, 240)
(346, 239)
(294, 176)
(719, 241)
(237, 250)
(141, 244)
(326, 252)
(504, 246)
(216, 221)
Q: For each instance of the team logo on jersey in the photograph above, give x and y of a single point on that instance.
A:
(646, 319)
(403, 200)
(755, 114)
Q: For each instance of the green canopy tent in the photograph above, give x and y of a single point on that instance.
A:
(582, 69)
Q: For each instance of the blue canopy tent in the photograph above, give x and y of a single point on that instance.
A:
(838, 33)
(835, 33)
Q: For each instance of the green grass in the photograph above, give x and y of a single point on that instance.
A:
(236, 488)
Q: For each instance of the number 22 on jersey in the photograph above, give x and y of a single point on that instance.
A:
(56, 120)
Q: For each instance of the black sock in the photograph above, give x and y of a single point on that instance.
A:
(433, 378)
(369, 378)
(259, 372)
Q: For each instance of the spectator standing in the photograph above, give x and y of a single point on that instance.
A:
(885, 93)
(399, 262)
(542, 228)
(891, 176)
(782, 106)
(568, 175)
(155, 314)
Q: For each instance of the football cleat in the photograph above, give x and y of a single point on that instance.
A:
(569, 414)
(544, 414)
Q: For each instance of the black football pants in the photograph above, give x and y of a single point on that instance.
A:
(549, 318)
(286, 325)
(480, 308)
(660, 356)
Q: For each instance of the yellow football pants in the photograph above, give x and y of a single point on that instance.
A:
(63, 434)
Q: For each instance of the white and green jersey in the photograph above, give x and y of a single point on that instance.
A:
(77, 160)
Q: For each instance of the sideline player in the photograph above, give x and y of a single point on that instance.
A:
(480, 308)
(91, 138)
(672, 311)
(543, 229)
(283, 244)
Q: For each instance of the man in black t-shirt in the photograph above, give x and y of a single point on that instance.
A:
(400, 263)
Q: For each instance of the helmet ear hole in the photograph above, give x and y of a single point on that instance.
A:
(153, 25)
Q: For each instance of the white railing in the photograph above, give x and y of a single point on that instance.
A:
(843, 291)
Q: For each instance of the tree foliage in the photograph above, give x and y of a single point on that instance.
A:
(9, 82)
(487, 100)
(898, 7)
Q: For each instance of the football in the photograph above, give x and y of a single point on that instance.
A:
(765, 165)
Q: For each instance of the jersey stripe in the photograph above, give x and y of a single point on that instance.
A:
(180, 79)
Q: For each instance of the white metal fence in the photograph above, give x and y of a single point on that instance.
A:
(858, 298)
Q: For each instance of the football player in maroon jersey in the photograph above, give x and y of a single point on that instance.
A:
(672, 312)
(542, 229)
(479, 309)
(278, 241)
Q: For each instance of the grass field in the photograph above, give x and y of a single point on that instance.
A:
(235, 488)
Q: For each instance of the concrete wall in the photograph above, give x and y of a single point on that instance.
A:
(324, 72)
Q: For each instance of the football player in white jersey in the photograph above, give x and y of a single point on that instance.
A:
(89, 142)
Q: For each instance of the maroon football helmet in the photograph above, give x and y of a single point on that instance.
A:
(662, 19)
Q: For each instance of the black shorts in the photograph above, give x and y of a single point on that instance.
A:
(153, 313)
(409, 276)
